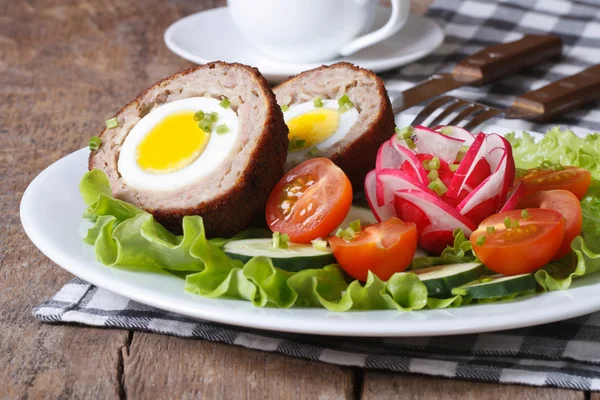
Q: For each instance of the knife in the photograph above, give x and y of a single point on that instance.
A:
(557, 97)
(485, 66)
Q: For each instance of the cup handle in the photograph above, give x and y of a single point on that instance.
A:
(400, 11)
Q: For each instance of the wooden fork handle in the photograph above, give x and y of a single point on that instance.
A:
(562, 95)
(498, 61)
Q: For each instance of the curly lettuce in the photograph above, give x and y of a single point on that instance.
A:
(125, 236)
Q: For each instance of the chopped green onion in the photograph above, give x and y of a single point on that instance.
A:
(313, 152)
(344, 100)
(480, 240)
(405, 133)
(490, 229)
(285, 107)
(507, 222)
(223, 128)
(355, 225)
(434, 163)
(205, 125)
(454, 167)
(317, 102)
(296, 144)
(438, 187)
(461, 153)
(213, 116)
(319, 244)
(426, 165)
(525, 214)
(446, 130)
(225, 103)
(199, 115)
(411, 144)
(280, 240)
(112, 123)
(546, 164)
(347, 234)
(397, 130)
(433, 175)
(94, 143)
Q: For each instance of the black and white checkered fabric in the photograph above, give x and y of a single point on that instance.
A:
(470, 26)
(564, 354)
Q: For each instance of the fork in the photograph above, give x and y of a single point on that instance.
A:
(541, 104)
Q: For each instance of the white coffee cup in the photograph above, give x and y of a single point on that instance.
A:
(313, 30)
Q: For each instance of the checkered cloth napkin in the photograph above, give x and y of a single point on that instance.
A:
(564, 354)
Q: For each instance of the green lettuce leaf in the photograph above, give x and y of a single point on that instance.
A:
(558, 146)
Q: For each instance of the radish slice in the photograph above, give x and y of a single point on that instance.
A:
(393, 180)
(514, 199)
(381, 213)
(509, 174)
(486, 199)
(472, 170)
(433, 216)
(388, 156)
(437, 144)
(411, 158)
(457, 133)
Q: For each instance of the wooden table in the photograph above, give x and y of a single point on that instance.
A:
(65, 67)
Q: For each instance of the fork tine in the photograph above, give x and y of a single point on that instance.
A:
(449, 110)
(482, 117)
(473, 109)
(430, 108)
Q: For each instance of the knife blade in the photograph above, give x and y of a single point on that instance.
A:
(557, 97)
(485, 66)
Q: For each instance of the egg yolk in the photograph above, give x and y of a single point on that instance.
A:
(313, 127)
(173, 143)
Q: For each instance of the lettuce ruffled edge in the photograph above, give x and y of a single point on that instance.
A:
(125, 236)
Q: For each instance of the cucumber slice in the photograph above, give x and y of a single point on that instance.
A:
(364, 215)
(295, 258)
(497, 286)
(440, 279)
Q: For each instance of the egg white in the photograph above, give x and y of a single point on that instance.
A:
(216, 151)
(347, 120)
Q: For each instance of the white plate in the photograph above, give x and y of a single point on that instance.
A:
(51, 211)
(210, 35)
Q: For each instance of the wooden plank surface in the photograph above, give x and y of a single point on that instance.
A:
(65, 66)
(378, 385)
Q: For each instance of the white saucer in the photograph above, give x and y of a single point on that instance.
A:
(210, 35)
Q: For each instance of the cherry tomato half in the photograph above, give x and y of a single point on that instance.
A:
(575, 180)
(384, 249)
(310, 201)
(519, 249)
(565, 203)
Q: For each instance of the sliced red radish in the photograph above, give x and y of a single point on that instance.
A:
(457, 133)
(509, 175)
(393, 180)
(437, 144)
(430, 214)
(388, 156)
(380, 213)
(473, 169)
(486, 199)
(515, 197)
(413, 161)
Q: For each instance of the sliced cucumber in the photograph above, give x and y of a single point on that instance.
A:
(497, 286)
(295, 257)
(364, 215)
(440, 279)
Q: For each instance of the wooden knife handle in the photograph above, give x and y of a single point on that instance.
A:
(562, 95)
(504, 59)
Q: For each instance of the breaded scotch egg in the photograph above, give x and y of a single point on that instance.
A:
(341, 112)
(208, 141)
